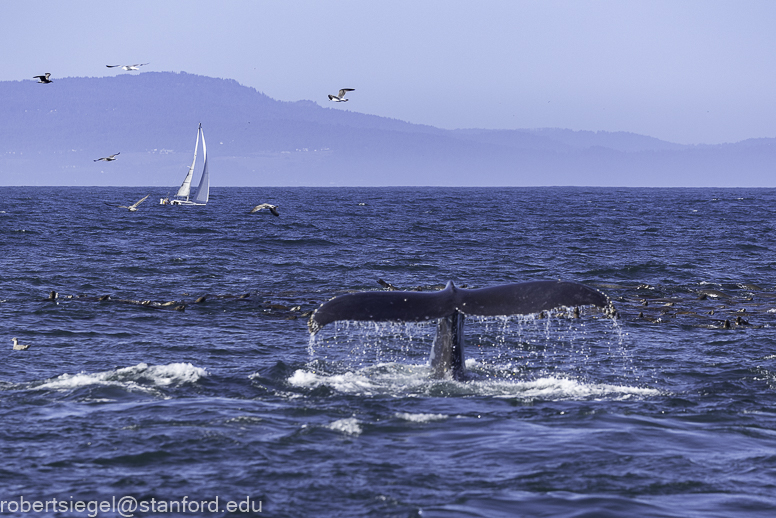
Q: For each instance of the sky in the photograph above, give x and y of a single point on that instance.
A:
(685, 71)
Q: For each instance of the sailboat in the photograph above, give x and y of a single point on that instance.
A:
(203, 190)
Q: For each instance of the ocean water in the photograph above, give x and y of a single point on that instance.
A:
(147, 402)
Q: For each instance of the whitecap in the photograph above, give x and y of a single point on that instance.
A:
(405, 380)
(137, 377)
(349, 426)
(303, 378)
(383, 378)
(420, 418)
(349, 382)
(173, 373)
(244, 419)
(552, 388)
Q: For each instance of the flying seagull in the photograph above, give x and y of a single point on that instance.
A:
(131, 208)
(341, 97)
(110, 158)
(17, 346)
(44, 79)
(272, 208)
(128, 67)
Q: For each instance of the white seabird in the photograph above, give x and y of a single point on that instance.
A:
(341, 97)
(17, 346)
(128, 67)
(43, 79)
(133, 207)
(272, 208)
(110, 158)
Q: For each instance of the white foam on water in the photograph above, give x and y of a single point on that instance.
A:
(552, 388)
(349, 426)
(349, 383)
(173, 373)
(420, 418)
(385, 378)
(405, 380)
(137, 377)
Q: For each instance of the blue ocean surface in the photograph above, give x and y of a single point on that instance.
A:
(132, 390)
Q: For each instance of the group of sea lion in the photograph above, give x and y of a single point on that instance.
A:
(176, 305)
(732, 307)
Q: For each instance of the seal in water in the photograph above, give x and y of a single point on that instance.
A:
(450, 307)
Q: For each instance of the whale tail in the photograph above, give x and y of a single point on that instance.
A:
(450, 306)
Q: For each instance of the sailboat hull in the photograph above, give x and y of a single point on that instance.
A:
(184, 202)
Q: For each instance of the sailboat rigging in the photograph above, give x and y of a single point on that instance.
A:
(182, 197)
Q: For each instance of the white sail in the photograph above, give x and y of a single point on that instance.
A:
(203, 191)
(185, 187)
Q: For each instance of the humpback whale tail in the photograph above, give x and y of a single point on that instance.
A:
(450, 306)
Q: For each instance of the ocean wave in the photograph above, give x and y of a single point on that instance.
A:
(348, 382)
(420, 418)
(140, 377)
(397, 379)
(349, 426)
(553, 389)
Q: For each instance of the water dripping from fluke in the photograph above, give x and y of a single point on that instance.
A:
(450, 307)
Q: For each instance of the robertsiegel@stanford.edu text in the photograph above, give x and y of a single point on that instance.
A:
(127, 506)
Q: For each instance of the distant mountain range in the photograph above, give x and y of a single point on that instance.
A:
(51, 133)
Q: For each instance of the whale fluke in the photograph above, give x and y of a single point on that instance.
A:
(411, 306)
(450, 306)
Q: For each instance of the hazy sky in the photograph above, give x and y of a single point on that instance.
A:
(684, 71)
